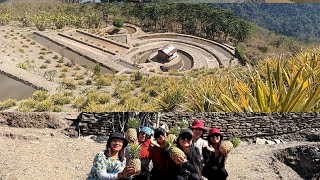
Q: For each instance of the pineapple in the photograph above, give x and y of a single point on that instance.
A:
(225, 147)
(134, 153)
(174, 152)
(131, 134)
(171, 138)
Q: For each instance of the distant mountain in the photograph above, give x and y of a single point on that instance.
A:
(299, 20)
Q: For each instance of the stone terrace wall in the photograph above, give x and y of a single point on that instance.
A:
(105, 123)
(288, 126)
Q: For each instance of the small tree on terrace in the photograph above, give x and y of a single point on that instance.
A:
(118, 23)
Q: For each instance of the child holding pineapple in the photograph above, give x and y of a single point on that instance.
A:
(215, 156)
(111, 163)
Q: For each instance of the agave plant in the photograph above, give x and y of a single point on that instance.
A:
(282, 90)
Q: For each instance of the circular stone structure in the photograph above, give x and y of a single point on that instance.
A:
(194, 52)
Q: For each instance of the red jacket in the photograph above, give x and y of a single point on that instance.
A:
(160, 159)
(144, 151)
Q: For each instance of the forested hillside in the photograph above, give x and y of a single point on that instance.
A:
(300, 20)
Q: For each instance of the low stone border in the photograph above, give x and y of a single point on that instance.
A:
(87, 44)
(104, 39)
(226, 48)
(75, 51)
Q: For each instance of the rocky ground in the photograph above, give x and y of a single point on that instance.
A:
(29, 153)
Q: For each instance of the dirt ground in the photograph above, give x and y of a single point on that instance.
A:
(28, 153)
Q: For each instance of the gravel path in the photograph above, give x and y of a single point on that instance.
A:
(49, 154)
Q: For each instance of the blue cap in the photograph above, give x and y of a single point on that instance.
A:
(147, 130)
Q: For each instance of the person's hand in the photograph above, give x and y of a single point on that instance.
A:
(179, 160)
(210, 148)
(127, 171)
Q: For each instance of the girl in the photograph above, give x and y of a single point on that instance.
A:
(159, 156)
(110, 164)
(214, 160)
(189, 168)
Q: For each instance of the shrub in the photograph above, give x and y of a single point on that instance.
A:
(57, 108)
(137, 76)
(69, 84)
(7, 104)
(77, 68)
(241, 55)
(26, 105)
(65, 69)
(88, 82)
(60, 99)
(24, 66)
(62, 75)
(43, 106)
(103, 81)
(235, 141)
(50, 74)
(43, 66)
(118, 23)
(170, 99)
(40, 95)
(104, 98)
(55, 57)
(79, 76)
(97, 70)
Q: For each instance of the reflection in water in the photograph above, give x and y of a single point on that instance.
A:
(12, 89)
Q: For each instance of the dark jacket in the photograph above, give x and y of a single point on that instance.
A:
(191, 170)
(214, 167)
(161, 163)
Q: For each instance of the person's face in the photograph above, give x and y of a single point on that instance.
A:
(143, 137)
(215, 138)
(161, 138)
(185, 140)
(197, 132)
(116, 144)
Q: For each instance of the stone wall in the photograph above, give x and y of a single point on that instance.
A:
(38, 119)
(105, 123)
(288, 126)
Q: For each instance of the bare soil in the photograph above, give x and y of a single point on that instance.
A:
(30, 153)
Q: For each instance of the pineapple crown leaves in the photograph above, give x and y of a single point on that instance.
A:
(169, 145)
(133, 123)
(134, 150)
(183, 124)
(175, 130)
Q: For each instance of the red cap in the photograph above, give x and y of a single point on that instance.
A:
(198, 124)
(214, 131)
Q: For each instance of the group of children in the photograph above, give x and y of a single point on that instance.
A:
(202, 160)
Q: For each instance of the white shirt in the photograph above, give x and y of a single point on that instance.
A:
(201, 143)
